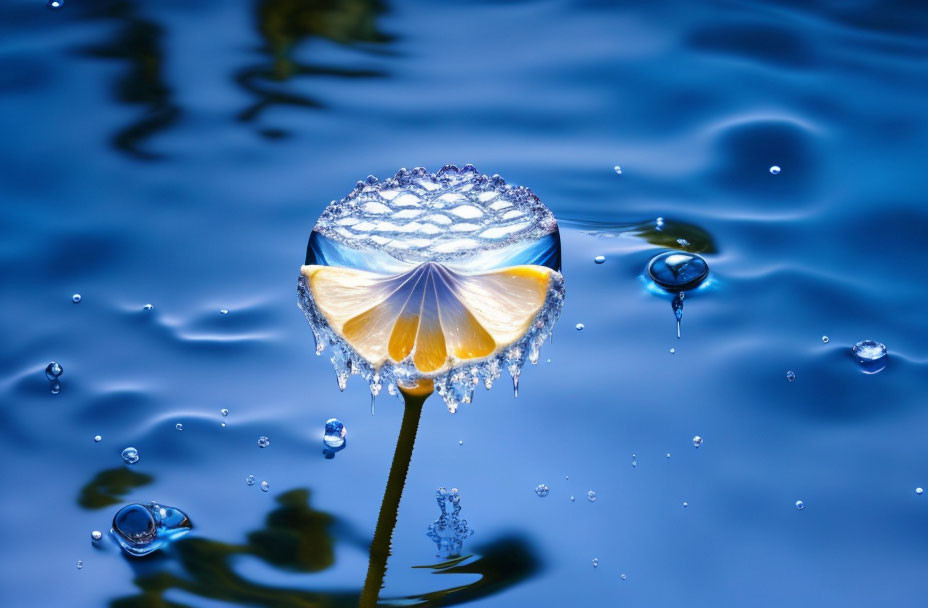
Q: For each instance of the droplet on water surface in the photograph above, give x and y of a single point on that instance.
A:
(595, 562)
(919, 491)
(130, 455)
(774, 170)
(80, 564)
(179, 426)
(697, 441)
(263, 441)
(825, 339)
(790, 376)
(141, 529)
(542, 490)
(580, 326)
(265, 486)
(677, 272)
(335, 432)
(147, 307)
(76, 298)
(800, 505)
(96, 535)
(98, 438)
(250, 480)
(224, 412)
(617, 169)
(53, 371)
(591, 496)
(871, 355)
(599, 259)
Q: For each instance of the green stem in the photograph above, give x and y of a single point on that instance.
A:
(389, 508)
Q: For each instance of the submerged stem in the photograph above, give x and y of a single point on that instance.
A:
(389, 508)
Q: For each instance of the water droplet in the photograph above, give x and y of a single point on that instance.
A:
(624, 577)
(580, 326)
(919, 491)
(141, 529)
(790, 376)
(683, 243)
(673, 350)
(147, 307)
(599, 259)
(224, 412)
(53, 371)
(595, 562)
(617, 169)
(659, 223)
(265, 486)
(263, 441)
(542, 490)
(76, 298)
(224, 311)
(222, 424)
(685, 504)
(80, 564)
(591, 496)
(825, 339)
(871, 355)
(98, 438)
(130, 455)
(250, 480)
(634, 460)
(179, 426)
(668, 455)
(96, 535)
(800, 505)
(55, 388)
(335, 432)
(460, 443)
(697, 441)
(774, 170)
(571, 499)
(53, 5)
(678, 271)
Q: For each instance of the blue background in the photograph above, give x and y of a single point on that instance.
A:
(178, 154)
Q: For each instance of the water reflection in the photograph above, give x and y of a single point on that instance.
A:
(137, 43)
(283, 25)
(108, 487)
(662, 232)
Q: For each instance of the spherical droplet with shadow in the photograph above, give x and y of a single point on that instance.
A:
(141, 529)
(677, 271)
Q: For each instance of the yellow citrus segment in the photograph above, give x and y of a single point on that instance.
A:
(429, 312)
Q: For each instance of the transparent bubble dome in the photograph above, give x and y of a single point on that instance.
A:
(444, 231)
(465, 220)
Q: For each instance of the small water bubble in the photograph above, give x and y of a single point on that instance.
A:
(659, 223)
(222, 424)
(624, 577)
(265, 486)
(179, 426)
(580, 326)
(800, 505)
(223, 311)
(683, 242)
(571, 499)
(460, 443)
(599, 259)
(774, 170)
(697, 441)
(263, 441)
(250, 480)
(591, 496)
(673, 350)
(130, 455)
(55, 5)
(96, 535)
(871, 355)
(53, 371)
(825, 339)
(919, 491)
(147, 307)
(617, 169)
(790, 376)
(668, 455)
(224, 412)
(76, 298)
(595, 562)
(334, 434)
(80, 564)
(542, 490)
(97, 438)
(55, 388)
(685, 504)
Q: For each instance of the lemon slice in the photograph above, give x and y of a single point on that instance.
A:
(432, 314)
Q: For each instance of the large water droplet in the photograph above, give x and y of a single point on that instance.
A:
(53, 371)
(871, 355)
(130, 455)
(141, 529)
(542, 490)
(678, 271)
(335, 432)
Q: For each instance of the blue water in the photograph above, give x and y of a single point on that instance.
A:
(179, 153)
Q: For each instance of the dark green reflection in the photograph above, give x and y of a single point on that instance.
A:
(283, 25)
(298, 538)
(109, 487)
(667, 235)
(137, 44)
